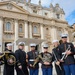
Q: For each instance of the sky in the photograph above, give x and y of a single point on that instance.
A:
(67, 5)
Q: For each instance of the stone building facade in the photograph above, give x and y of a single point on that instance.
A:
(23, 19)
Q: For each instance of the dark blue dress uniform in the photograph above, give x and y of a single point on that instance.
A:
(69, 62)
(21, 60)
(46, 69)
(8, 69)
(57, 57)
(32, 55)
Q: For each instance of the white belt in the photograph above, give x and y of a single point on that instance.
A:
(31, 60)
(63, 53)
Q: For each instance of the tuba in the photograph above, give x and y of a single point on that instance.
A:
(1, 58)
(9, 56)
(45, 58)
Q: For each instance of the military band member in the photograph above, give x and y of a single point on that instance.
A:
(32, 55)
(57, 57)
(46, 61)
(21, 66)
(66, 51)
(8, 69)
(1, 59)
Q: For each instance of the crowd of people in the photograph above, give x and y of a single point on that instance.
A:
(62, 55)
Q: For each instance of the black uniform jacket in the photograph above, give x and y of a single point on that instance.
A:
(70, 58)
(20, 58)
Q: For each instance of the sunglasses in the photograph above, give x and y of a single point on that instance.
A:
(45, 47)
(32, 46)
(64, 37)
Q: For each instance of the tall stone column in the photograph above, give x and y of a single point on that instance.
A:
(26, 29)
(16, 35)
(26, 34)
(42, 32)
(1, 33)
(30, 29)
(1, 45)
(42, 36)
(53, 33)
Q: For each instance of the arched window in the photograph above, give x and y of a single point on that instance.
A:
(8, 26)
(35, 30)
(20, 28)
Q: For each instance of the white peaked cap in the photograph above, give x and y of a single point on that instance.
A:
(45, 45)
(9, 44)
(21, 43)
(33, 44)
(64, 35)
(55, 41)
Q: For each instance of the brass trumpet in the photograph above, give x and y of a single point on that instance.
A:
(37, 60)
(64, 55)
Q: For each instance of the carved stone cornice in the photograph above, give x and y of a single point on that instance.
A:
(31, 18)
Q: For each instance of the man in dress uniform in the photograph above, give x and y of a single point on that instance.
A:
(21, 66)
(46, 61)
(8, 69)
(67, 52)
(57, 57)
(32, 55)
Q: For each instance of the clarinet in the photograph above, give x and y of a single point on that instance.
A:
(56, 59)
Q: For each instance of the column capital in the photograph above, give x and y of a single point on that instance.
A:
(53, 26)
(15, 19)
(30, 23)
(25, 21)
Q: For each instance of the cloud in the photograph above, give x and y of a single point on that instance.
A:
(67, 5)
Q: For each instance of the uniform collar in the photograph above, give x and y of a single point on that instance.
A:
(10, 50)
(20, 49)
(33, 50)
(46, 52)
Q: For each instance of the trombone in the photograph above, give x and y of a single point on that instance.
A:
(56, 60)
